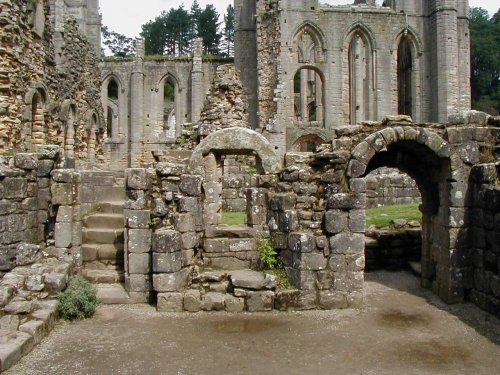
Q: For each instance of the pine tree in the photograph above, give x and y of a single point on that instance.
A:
(229, 31)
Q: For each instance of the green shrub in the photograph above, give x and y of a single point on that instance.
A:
(78, 300)
(267, 255)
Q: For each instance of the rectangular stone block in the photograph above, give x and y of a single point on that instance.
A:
(171, 282)
(139, 241)
(170, 302)
(190, 240)
(185, 222)
(345, 243)
(217, 245)
(247, 244)
(137, 179)
(188, 204)
(309, 261)
(166, 241)
(139, 263)
(301, 242)
(191, 185)
(138, 219)
(15, 187)
(76, 229)
(63, 234)
(212, 191)
(62, 193)
(167, 262)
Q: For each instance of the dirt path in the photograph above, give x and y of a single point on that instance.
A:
(402, 330)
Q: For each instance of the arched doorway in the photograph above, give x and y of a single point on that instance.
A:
(428, 159)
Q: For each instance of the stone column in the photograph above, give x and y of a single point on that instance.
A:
(196, 83)
(446, 58)
(137, 106)
(137, 251)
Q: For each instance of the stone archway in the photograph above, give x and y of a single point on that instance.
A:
(236, 141)
(441, 178)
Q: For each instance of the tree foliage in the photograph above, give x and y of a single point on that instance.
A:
(118, 44)
(229, 31)
(485, 60)
(173, 32)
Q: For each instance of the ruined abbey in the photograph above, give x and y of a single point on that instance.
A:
(120, 169)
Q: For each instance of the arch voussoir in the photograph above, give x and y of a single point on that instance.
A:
(363, 152)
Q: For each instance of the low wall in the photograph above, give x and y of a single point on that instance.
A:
(484, 237)
(386, 186)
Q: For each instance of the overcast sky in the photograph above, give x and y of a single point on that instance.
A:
(127, 16)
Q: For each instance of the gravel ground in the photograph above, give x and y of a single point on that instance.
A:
(403, 329)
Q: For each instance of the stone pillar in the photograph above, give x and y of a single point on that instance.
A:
(137, 250)
(447, 58)
(65, 190)
(196, 83)
(304, 94)
(137, 106)
(245, 54)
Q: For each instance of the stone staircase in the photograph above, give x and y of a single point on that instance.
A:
(102, 251)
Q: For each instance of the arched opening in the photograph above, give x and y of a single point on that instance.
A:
(109, 122)
(38, 126)
(113, 91)
(426, 158)
(91, 137)
(308, 97)
(307, 143)
(169, 109)
(69, 139)
(393, 237)
(360, 79)
(405, 68)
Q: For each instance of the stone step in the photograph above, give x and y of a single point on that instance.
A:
(102, 236)
(106, 276)
(112, 294)
(112, 192)
(104, 220)
(91, 252)
(111, 207)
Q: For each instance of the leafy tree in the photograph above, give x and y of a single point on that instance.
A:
(208, 30)
(155, 35)
(118, 44)
(229, 31)
(485, 61)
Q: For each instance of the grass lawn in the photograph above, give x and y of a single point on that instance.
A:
(382, 216)
(233, 218)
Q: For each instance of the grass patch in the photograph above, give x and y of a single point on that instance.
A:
(384, 215)
(233, 218)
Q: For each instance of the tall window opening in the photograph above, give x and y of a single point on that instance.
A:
(405, 68)
(308, 97)
(113, 90)
(169, 117)
(359, 79)
(38, 128)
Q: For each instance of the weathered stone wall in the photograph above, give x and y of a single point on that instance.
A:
(238, 174)
(45, 100)
(386, 186)
(392, 249)
(484, 241)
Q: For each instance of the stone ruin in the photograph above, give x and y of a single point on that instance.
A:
(102, 176)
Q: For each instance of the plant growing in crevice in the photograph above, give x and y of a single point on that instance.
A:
(271, 263)
(78, 300)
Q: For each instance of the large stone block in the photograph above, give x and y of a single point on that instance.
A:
(329, 300)
(138, 219)
(345, 243)
(172, 282)
(346, 201)
(62, 193)
(191, 185)
(304, 280)
(166, 241)
(190, 240)
(139, 263)
(63, 234)
(137, 178)
(26, 161)
(167, 262)
(139, 241)
(15, 187)
(138, 283)
(260, 301)
(288, 221)
(185, 222)
(189, 204)
(252, 280)
(170, 302)
(335, 221)
(216, 245)
(212, 192)
(213, 301)
(234, 304)
(309, 261)
(357, 221)
(192, 300)
(301, 242)
(283, 202)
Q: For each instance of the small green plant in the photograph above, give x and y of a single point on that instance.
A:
(267, 255)
(78, 300)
